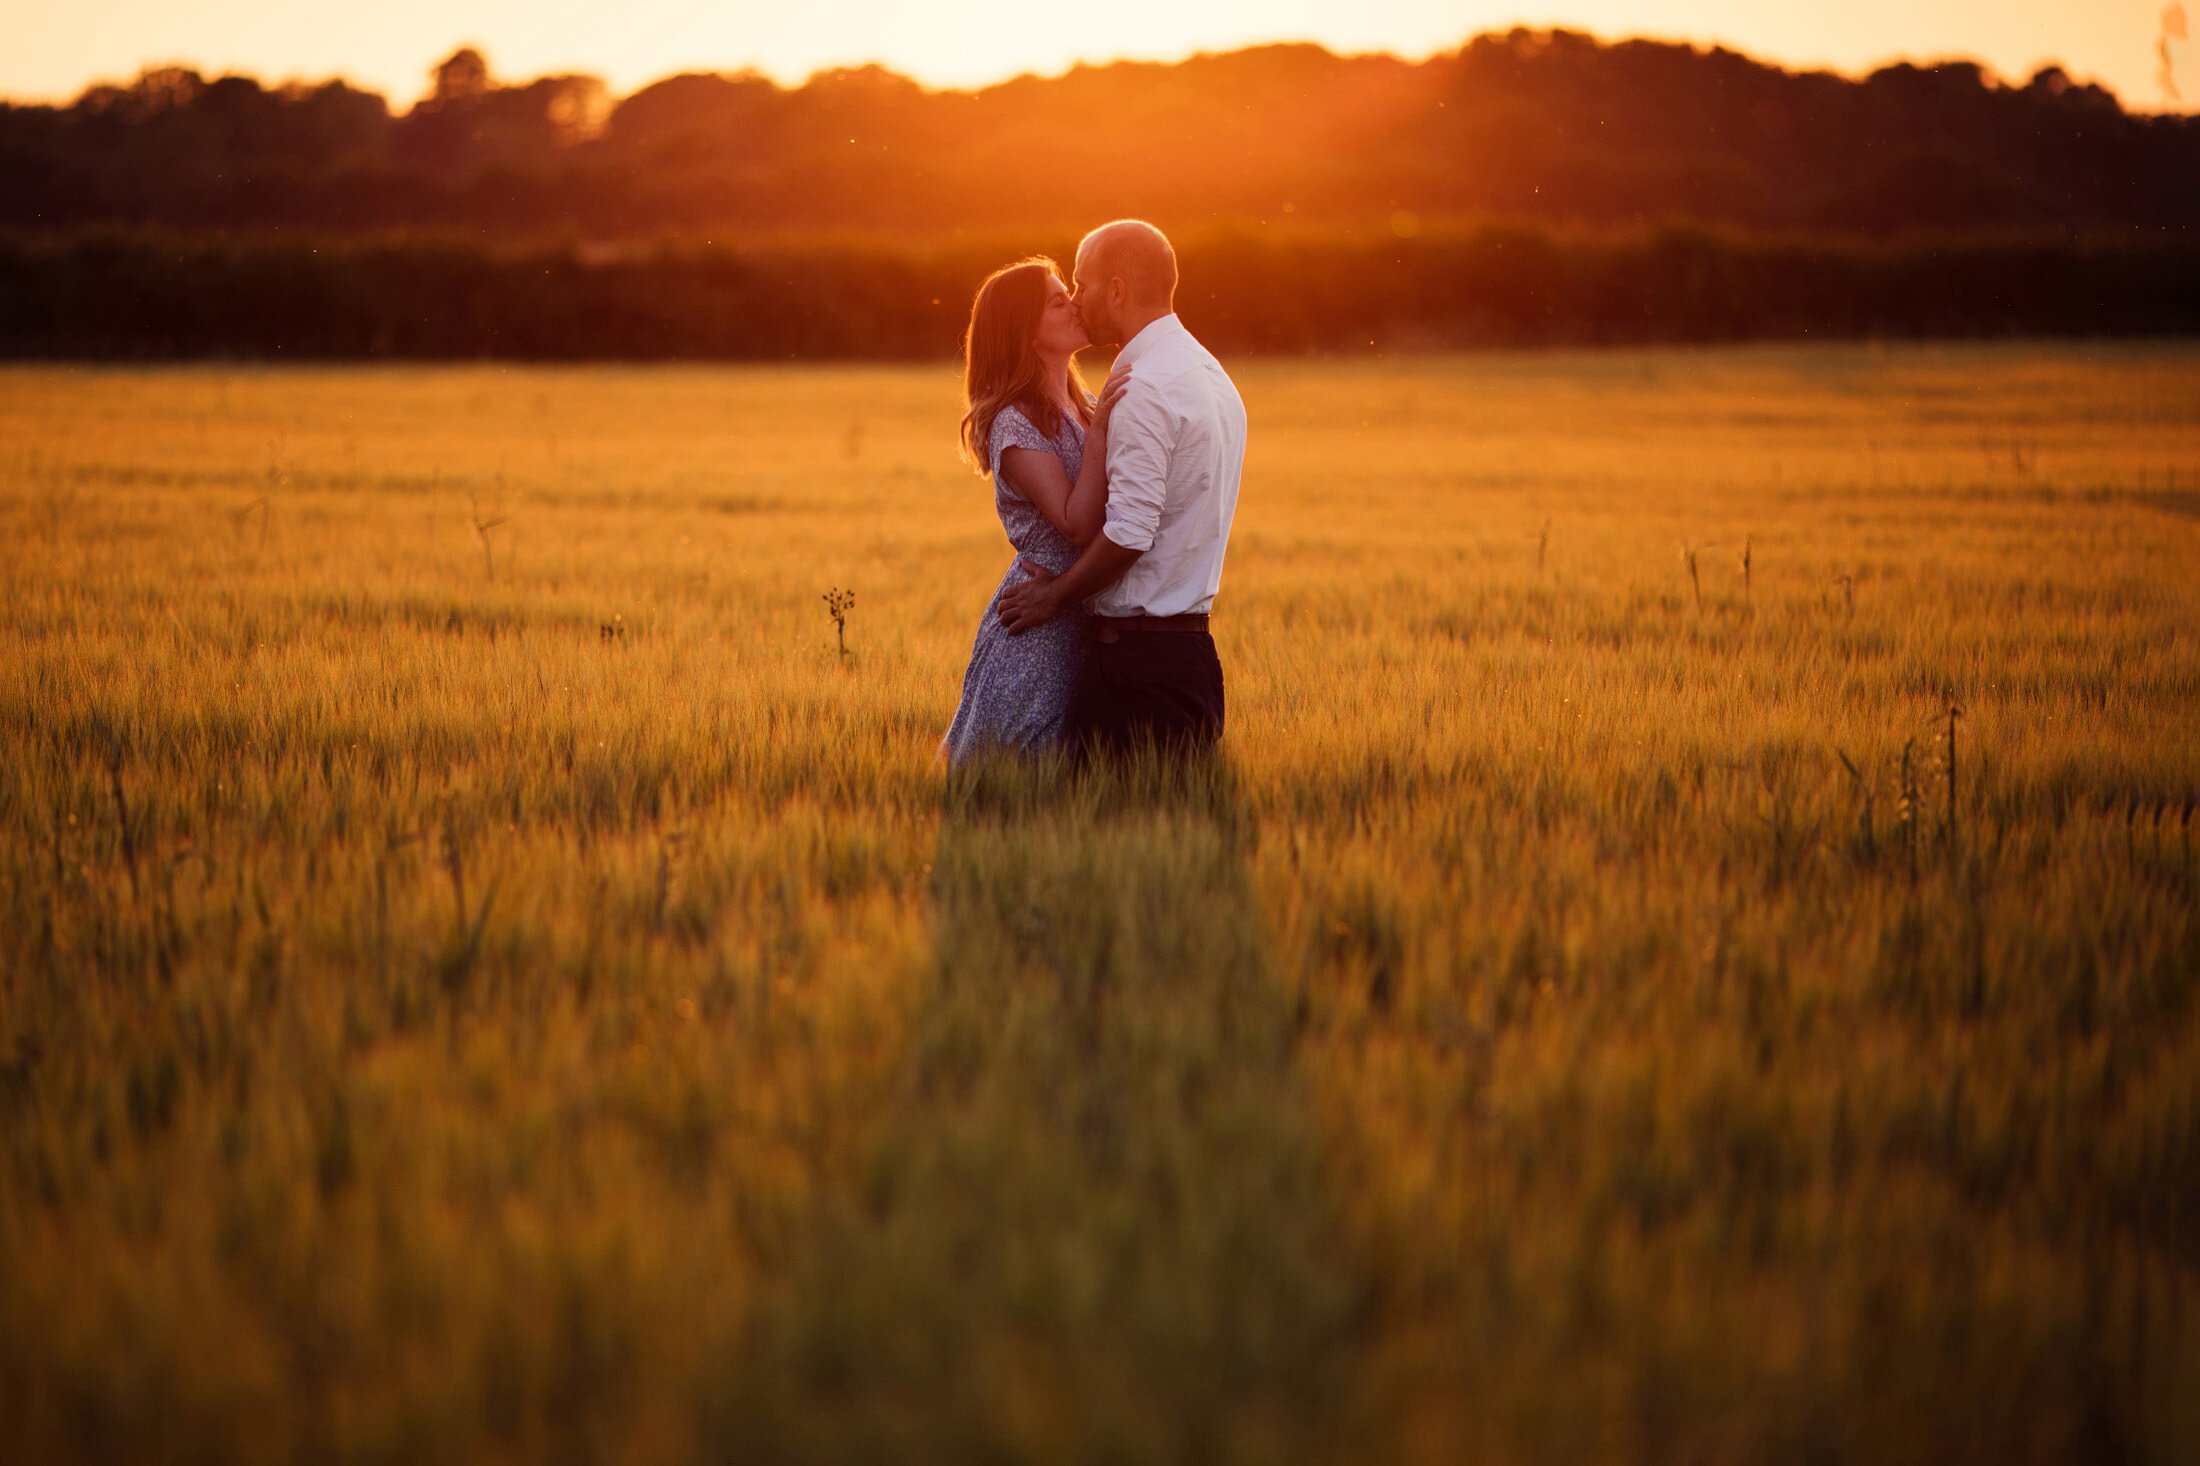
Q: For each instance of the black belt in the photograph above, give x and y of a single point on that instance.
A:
(1184, 621)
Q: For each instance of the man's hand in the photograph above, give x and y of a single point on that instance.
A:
(1041, 598)
(1034, 603)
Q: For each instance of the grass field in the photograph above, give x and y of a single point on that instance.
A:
(522, 993)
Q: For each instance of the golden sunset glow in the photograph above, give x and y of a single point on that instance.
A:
(53, 51)
(1559, 827)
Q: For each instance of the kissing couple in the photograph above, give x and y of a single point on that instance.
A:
(1118, 507)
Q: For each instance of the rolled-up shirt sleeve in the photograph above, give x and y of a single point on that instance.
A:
(1138, 468)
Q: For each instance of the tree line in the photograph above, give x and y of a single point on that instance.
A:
(1544, 126)
(1530, 187)
(135, 295)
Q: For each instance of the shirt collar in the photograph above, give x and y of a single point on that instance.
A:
(1153, 331)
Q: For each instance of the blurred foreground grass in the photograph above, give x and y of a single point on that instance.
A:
(521, 993)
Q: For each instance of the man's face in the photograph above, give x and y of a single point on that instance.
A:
(1089, 296)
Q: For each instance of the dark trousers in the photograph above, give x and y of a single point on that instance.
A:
(1160, 689)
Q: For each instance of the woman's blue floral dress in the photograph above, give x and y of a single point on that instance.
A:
(1016, 691)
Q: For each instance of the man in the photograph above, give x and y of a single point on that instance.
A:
(1176, 449)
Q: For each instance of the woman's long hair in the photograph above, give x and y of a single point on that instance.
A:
(1001, 366)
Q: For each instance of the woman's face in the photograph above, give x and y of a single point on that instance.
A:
(1061, 333)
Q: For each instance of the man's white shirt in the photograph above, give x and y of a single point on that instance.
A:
(1176, 449)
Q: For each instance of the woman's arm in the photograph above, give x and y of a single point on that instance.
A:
(1076, 509)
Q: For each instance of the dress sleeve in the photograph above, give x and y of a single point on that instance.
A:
(1011, 429)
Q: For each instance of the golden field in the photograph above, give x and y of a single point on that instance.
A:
(523, 993)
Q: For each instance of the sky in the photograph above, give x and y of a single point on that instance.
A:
(51, 49)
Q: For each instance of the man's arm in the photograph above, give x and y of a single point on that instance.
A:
(1138, 472)
(1078, 509)
(1141, 437)
(1041, 598)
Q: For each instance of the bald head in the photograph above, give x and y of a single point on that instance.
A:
(1138, 254)
(1126, 276)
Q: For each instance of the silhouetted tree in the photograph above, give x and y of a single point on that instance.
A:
(459, 78)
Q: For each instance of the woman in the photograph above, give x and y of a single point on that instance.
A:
(1030, 423)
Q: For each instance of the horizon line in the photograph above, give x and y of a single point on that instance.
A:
(1999, 79)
